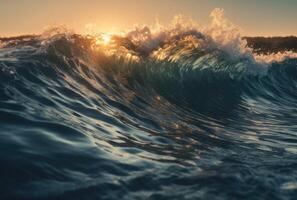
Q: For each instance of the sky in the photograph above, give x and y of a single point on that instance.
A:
(254, 17)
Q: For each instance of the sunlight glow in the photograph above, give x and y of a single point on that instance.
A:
(106, 38)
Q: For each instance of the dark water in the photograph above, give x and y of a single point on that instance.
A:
(78, 124)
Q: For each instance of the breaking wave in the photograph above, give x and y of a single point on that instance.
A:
(175, 112)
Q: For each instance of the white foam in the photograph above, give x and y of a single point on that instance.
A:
(275, 57)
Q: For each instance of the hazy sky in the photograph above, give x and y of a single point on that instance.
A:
(255, 17)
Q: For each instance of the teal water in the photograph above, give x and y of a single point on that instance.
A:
(75, 124)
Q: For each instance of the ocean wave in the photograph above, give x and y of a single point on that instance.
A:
(194, 105)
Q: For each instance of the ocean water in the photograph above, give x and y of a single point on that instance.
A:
(178, 116)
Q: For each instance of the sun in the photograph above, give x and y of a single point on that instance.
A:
(106, 38)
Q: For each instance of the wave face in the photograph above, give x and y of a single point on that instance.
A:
(169, 116)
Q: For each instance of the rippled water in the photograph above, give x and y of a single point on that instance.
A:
(181, 122)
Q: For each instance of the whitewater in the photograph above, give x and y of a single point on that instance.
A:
(158, 112)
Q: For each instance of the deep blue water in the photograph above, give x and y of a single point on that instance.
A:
(78, 124)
